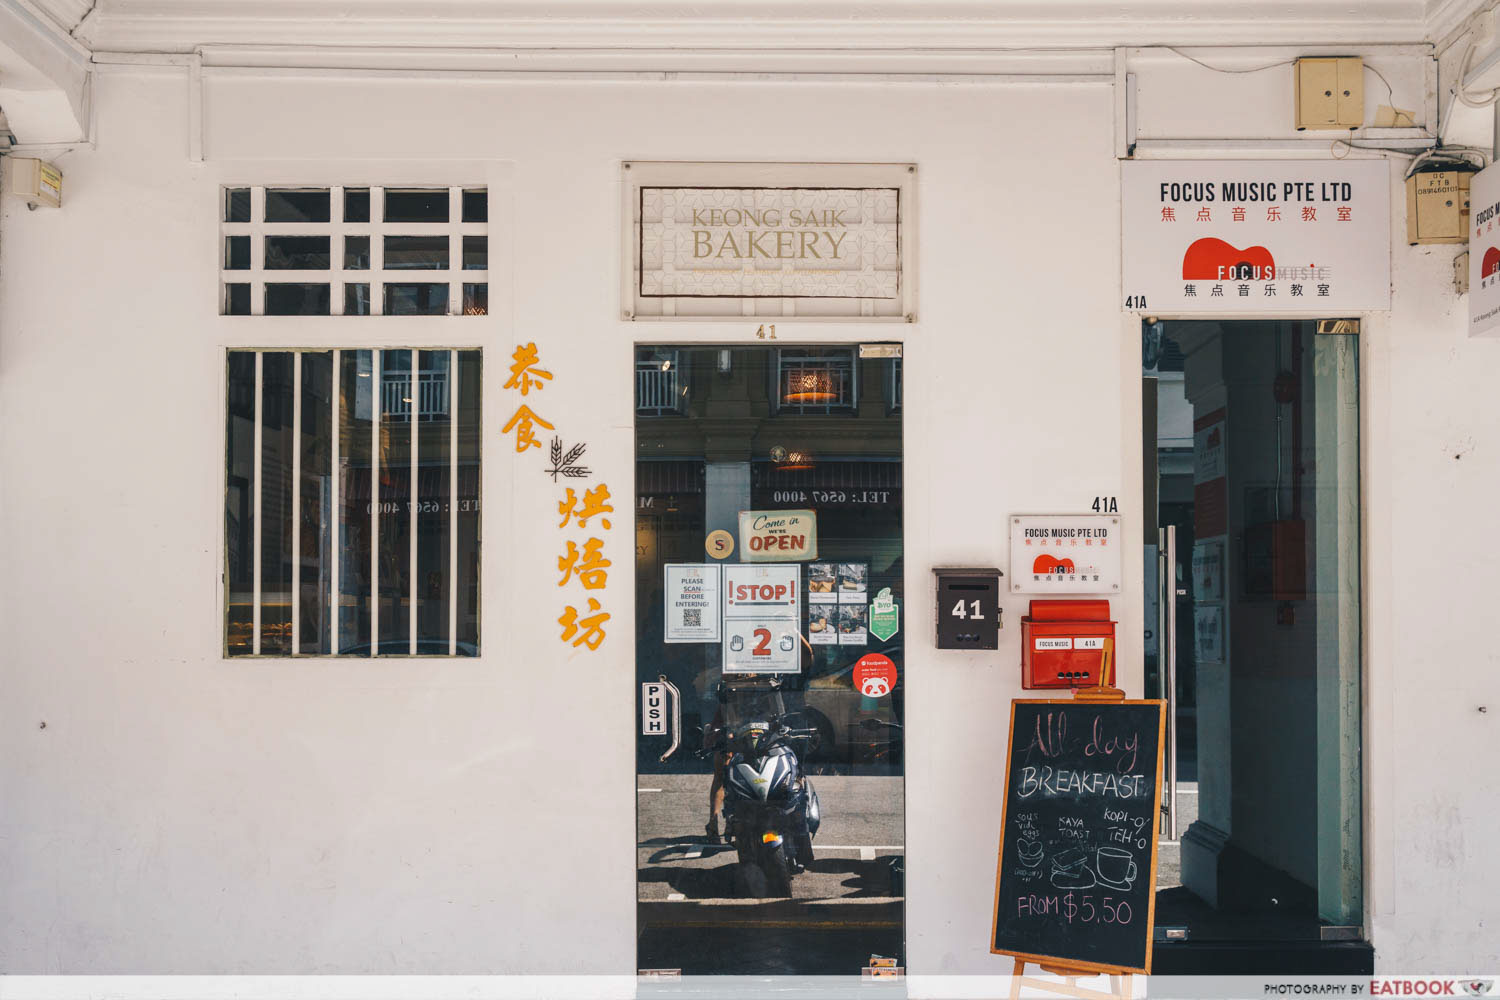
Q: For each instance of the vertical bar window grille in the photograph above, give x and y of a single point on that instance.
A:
(351, 503)
(660, 386)
(817, 381)
(295, 251)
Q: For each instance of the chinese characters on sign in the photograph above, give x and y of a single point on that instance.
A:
(525, 376)
(584, 510)
(1065, 554)
(1211, 236)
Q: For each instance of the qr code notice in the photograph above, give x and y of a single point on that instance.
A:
(692, 617)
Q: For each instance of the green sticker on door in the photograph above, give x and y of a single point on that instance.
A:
(885, 616)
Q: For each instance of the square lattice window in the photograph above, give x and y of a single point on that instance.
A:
(352, 251)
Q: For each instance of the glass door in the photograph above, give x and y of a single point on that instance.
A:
(1253, 627)
(770, 629)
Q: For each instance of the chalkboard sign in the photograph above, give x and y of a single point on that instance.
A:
(1076, 879)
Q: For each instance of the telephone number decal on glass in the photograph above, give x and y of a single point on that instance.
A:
(831, 496)
(420, 506)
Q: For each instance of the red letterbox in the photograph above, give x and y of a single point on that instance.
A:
(1063, 644)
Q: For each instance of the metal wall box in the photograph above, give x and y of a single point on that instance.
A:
(1330, 92)
(1437, 207)
(1064, 643)
(968, 608)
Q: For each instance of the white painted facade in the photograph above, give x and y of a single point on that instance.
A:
(181, 812)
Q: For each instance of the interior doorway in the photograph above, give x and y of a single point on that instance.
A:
(770, 632)
(1253, 636)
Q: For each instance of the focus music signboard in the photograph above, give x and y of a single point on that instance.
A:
(738, 240)
(1270, 236)
(1484, 254)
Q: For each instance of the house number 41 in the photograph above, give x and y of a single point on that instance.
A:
(960, 610)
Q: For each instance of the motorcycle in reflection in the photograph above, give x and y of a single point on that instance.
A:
(770, 807)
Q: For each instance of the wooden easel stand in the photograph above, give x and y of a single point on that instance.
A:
(1119, 986)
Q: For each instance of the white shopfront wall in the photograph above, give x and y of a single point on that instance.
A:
(180, 812)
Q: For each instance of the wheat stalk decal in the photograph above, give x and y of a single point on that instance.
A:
(562, 464)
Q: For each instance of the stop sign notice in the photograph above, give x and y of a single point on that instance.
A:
(874, 675)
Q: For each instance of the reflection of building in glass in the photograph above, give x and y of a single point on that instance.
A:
(328, 512)
(772, 428)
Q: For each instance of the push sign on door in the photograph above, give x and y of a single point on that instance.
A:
(653, 709)
(968, 608)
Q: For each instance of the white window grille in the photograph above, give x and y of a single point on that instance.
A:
(660, 387)
(324, 251)
(350, 527)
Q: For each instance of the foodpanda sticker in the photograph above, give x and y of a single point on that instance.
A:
(874, 675)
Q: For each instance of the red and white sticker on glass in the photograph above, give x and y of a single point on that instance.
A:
(762, 619)
(875, 675)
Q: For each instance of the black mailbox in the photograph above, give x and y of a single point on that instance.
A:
(968, 608)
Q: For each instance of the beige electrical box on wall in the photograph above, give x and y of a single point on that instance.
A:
(34, 181)
(1437, 207)
(1330, 92)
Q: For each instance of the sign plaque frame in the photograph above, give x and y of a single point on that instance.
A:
(819, 242)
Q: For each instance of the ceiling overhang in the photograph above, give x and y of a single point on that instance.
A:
(959, 25)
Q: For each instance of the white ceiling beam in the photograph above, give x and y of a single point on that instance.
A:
(44, 77)
(939, 25)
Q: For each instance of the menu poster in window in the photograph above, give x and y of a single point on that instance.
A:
(1066, 554)
(1210, 474)
(822, 583)
(1208, 633)
(823, 624)
(854, 621)
(1076, 874)
(692, 602)
(853, 581)
(762, 619)
(1208, 570)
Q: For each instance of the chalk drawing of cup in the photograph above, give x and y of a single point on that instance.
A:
(1116, 869)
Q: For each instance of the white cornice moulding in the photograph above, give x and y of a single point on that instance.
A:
(165, 26)
(1447, 19)
(807, 63)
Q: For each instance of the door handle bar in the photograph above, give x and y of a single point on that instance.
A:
(676, 716)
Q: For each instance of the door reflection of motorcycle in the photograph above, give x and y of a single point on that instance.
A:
(770, 808)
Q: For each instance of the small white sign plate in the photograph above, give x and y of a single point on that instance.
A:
(691, 596)
(762, 619)
(1065, 554)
